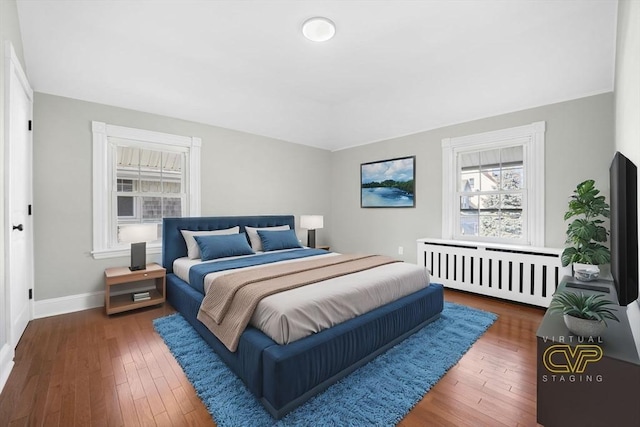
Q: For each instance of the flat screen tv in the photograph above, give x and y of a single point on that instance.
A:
(624, 228)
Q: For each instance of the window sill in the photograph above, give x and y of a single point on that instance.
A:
(152, 249)
(523, 243)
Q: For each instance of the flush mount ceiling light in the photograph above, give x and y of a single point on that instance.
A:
(318, 29)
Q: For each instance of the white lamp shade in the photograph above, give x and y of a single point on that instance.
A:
(311, 222)
(134, 233)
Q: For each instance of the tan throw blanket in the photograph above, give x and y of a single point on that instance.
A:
(232, 298)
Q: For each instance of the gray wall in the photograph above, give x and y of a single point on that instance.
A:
(579, 144)
(242, 174)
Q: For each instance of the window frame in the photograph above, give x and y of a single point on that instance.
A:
(104, 175)
(531, 138)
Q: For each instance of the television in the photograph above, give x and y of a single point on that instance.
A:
(623, 176)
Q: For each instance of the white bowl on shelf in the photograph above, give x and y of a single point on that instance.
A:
(585, 272)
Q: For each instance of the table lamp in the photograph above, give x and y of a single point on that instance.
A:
(138, 235)
(311, 223)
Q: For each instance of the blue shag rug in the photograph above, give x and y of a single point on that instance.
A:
(380, 393)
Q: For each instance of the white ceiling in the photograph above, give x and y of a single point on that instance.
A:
(394, 67)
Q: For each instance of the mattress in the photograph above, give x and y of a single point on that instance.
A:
(289, 316)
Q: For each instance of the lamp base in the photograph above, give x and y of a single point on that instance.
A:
(138, 256)
(311, 238)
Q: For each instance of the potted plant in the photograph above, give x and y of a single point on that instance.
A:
(586, 232)
(584, 315)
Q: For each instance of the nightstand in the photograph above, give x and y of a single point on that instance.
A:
(119, 276)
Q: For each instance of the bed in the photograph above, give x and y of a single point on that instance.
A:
(283, 376)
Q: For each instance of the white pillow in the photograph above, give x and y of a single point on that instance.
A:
(254, 237)
(193, 250)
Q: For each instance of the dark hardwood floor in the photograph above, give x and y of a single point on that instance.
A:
(87, 369)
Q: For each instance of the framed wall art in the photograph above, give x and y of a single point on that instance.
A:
(388, 183)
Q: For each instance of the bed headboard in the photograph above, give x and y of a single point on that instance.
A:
(173, 245)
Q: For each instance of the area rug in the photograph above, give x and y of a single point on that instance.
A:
(380, 393)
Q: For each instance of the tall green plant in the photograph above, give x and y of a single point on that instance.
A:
(586, 232)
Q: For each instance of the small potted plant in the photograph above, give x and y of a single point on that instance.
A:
(586, 232)
(584, 315)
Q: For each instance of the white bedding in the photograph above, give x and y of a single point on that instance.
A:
(297, 313)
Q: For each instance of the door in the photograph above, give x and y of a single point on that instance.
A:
(18, 192)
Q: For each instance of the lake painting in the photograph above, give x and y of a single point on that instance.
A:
(388, 183)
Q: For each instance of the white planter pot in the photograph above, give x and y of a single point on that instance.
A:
(584, 327)
(585, 272)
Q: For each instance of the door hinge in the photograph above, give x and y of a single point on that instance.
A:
(30, 293)
(29, 124)
(29, 210)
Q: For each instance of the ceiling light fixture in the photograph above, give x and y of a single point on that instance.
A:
(318, 29)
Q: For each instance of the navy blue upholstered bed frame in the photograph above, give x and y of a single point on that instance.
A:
(283, 377)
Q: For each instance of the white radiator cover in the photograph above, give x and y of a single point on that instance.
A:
(517, 273)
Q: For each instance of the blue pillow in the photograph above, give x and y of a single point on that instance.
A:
(276, 240)
(222, 246)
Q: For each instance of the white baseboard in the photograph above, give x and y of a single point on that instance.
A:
(6, 364)
(68, 304)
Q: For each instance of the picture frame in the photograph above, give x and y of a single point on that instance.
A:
(388, 183)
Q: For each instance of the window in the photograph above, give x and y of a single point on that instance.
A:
(493, 186)
(140, 177)
(150, 184)
(491, 193)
